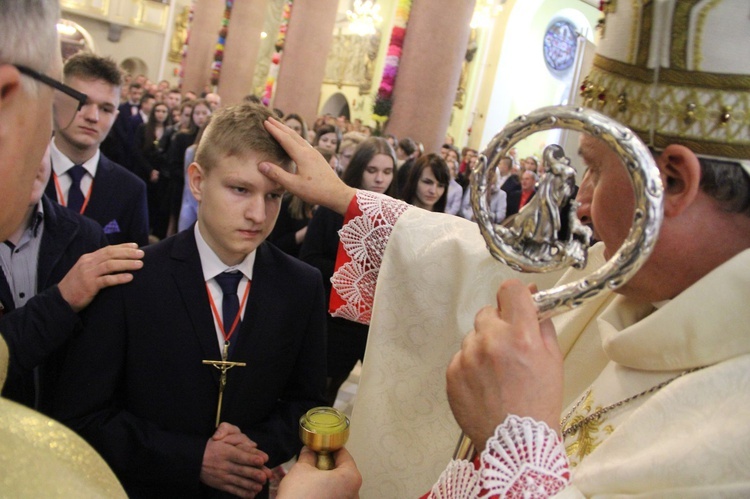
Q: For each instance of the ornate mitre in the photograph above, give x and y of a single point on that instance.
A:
(677, 72)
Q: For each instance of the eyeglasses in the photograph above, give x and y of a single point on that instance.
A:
(67, 100)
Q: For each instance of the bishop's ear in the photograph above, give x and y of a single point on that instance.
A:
(681, 175)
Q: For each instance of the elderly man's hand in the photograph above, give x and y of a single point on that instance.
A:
(509, 364)
(108, 266)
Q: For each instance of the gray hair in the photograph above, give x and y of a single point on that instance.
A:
(28, 33)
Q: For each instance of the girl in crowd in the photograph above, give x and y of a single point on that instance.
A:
(150, 155)
(349, 143)
(176, 160)
(372, 168)
(427, 184)
(291, 226)
(296, 123)
(328, 137)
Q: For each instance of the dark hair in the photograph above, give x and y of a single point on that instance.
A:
(146, 97)
(439, 168)
(324, 129)
(150, 127)
(251, 98)
(196, 103)
(295, 116)
(727, 183)
(407, 145)
(362, 156)
(93, 67)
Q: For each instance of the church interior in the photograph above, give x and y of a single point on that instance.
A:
(428, 70)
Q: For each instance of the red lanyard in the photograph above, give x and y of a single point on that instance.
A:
(217, 315)
(61, 198)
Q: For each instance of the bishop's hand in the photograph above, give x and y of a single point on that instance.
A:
(315, 181)
(509, 364)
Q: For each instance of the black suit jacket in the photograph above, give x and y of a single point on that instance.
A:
(514, 199)
(117, 203)
(134, 385)
(511, 184)
(35, 331)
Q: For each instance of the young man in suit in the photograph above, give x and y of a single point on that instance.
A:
(83, 178)
(51, 267)
(143, 382)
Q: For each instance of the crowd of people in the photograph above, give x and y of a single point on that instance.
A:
(150, 301)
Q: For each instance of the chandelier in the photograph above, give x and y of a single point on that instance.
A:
(484, 13)
(364, 18)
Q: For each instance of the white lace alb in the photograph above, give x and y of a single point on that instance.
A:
(524, 459)
(364, 239)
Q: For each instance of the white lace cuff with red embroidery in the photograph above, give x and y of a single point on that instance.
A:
(525, 458)
(364, 239)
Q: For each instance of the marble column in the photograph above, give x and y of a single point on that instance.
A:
(204, 31)
(429, 70)
(303, 61)
(241, 50)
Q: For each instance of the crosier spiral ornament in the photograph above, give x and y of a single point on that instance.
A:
(546, 235)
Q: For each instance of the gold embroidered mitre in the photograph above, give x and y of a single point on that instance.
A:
(677, 72)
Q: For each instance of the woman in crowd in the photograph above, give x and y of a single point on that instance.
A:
(349, 143)
(150, 156)
(372, 168)
(176, 160)
(184, 120)
(291, 226)
(189, 205)
(328, 137)
(427, 184)
(296, 123)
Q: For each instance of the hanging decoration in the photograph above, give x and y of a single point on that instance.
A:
(188, 24)
(383, 100)
(273, 69)
(220, 44)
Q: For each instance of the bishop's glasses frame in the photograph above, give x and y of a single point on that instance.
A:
(80, 97)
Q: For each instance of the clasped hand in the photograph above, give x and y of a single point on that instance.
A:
(233, 463)
(508, 364)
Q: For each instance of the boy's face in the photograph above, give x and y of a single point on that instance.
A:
(93, 122)
(237, 205)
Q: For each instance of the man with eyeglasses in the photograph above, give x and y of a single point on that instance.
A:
(83, 178)
(41, 458)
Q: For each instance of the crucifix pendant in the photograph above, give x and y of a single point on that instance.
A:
(223, 366)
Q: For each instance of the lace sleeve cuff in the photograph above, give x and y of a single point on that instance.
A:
(363, 237)
(525, 458)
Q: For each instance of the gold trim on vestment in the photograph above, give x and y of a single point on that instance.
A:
(716, 81)
(678, 54)
(644, 36)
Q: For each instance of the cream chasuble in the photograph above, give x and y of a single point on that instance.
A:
(435, 277)
(436, 274)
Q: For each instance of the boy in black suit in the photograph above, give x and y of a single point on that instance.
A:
(83, 178)
(142, 383)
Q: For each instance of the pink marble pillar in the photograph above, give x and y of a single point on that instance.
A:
(429, 70)
(241, 50)
(204, 32)
(308, 41)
